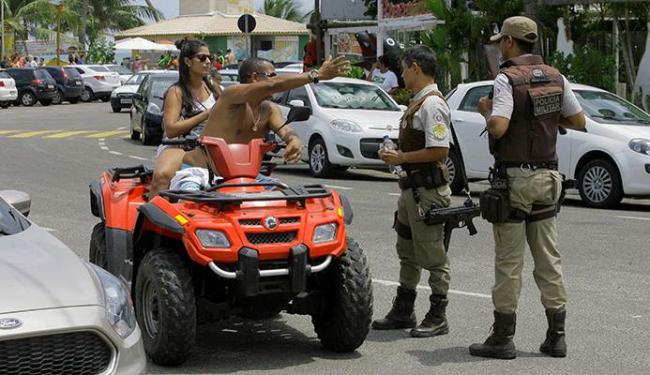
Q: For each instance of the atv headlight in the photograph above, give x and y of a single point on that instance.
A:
(213, 238)
(117, 302)
(641, 146)
(325, 233)
(346, 126)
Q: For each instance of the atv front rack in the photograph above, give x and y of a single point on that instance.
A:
(140, 171)
(284, 193)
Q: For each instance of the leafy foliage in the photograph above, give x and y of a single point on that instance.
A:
(285, 9)
(588, 65)
(101, 52)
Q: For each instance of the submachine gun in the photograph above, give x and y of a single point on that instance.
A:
(455, 217)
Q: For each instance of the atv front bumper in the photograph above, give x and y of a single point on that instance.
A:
(248, 272)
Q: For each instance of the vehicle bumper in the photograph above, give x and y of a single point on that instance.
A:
(121, 101)
(45, 94)
(8, 95)
(635, 173)
(103, 89)
(127, 356)
(357, 149)
(72, 91)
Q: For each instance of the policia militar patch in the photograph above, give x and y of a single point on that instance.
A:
(545, 104)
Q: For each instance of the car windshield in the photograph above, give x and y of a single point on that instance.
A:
(72, 72)
(4, 75)
(98, 68)
(119, 69)
(159, 86)
(135, 79)
(352, 96)
(604, 107)
(42, 74)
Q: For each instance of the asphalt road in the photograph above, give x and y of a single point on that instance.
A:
(54, 152)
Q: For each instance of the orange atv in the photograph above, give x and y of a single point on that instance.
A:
(238, 248)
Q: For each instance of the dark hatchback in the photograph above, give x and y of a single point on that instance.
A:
(69, 83)
(33, 85)
(146, 113)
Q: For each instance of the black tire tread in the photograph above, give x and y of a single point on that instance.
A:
(177, 330)
(97, 251)
(347, 323)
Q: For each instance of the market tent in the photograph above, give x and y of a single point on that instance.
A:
(143, 44)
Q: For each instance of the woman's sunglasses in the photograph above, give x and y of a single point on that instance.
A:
(202, 57)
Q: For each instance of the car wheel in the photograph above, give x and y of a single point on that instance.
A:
(116, 109)
(45, 102)
(58, 97)
(319, 164)
(74, 100)
(135, 135)
(87, 95)
(97, 253)
(455, 178)
(5, 104)
(599, 184)
(27, 99)
(148, 136)
(165, 307)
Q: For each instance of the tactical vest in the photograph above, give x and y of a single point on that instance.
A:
(411, 139)
(537, 91)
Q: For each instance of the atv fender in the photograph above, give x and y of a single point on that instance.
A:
(348, 214)
(97, 201)
(159, 218)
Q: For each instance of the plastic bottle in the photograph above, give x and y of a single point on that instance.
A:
(388, 144)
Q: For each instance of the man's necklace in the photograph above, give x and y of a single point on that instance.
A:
(256, 122)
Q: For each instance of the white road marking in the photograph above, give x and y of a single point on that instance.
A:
(634, 218)
(101, 139)
(137, 157)
(122, 128)
(423, 287)
(104, 148)
(48, 229)
(395, 194)
(115, 153)
(339, 187)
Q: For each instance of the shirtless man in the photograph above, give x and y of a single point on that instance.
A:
(244, 111)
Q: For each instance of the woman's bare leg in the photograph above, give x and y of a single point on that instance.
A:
(169, 161)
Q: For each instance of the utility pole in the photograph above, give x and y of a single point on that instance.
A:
(318, 31)
(2, 28)
(58, 34)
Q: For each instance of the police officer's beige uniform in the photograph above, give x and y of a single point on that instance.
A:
(419, 246)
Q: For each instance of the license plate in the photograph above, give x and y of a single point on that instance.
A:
(125, 101)
(50, 86)
(78, 83)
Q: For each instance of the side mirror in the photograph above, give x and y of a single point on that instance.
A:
(403, 107)
(20, 200)
(298, 113)
(296, 103)
(137, 96)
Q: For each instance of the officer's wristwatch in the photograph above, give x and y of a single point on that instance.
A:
(313, 76)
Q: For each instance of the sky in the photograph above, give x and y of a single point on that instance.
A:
(170, 7)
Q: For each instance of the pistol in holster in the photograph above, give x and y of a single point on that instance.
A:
(495, 201)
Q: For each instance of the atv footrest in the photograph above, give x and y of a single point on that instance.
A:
(139, 171)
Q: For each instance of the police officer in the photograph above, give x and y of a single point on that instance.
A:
(531, 100)
(424, 144)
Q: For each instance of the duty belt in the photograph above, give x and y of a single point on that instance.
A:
(552, 165)
(417, 179)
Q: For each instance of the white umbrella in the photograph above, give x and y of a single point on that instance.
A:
(142, 44)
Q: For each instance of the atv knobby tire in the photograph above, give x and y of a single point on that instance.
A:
(165, 307)
(344, 324)
(97, 252)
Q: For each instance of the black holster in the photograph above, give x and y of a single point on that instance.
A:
(429, 177)
(495, 201)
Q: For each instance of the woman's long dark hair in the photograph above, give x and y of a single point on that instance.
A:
(189, 48)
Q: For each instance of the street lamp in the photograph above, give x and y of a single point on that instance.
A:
(59, 7)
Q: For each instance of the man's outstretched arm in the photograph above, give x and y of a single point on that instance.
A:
(258, 91)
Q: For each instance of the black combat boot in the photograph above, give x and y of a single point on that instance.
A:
(402, 314)
(554, 345)
(435, 322)
(499, 344)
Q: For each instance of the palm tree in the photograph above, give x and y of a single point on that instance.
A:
(286, 9)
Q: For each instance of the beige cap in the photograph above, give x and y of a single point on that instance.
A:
(518, 27)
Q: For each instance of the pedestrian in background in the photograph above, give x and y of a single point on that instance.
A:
(381, 75)
(531, 100)
(424, 143)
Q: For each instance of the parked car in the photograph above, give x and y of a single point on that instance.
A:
(124, 72)
(122, 97)
(349, 120)
(99, 82)
(33, 85)
(609, 160)
(294, 68)
(229, 75)
(69, 84)
(8, 91)
(58, 313)
(146, 113)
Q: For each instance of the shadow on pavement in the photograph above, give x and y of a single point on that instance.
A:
(388, 335)
(459, 354)
(246, 345)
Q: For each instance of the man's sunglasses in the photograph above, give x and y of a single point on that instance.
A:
(202, 57)
(268, 75)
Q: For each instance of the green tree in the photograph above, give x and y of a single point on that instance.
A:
(285, 9)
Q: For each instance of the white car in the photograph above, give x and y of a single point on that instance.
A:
(99, 82)
(58, 313)
(8, 91)
(124, 72)
(609, 160)
(349, 119)
(122, 97)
